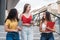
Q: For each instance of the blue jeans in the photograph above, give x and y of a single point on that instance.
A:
(47, 36)
(12, 36)
(27, 33)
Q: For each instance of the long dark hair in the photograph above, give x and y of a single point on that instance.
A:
(12, 15)
(48, 17)
(25, 7)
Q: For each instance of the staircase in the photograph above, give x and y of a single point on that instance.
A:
(36, 33)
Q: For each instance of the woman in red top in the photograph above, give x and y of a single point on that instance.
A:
(46, 28)
(26, 18)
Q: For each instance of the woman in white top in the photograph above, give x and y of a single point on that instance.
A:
(46, 35)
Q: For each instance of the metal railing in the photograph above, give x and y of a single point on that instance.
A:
(50, 13)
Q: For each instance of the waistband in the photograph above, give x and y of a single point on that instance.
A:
(12, 32)
(47, 33)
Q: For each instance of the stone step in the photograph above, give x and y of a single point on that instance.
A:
(37, 34)
(2, 28)
(35, 38)
(3, 34)
(38, 38)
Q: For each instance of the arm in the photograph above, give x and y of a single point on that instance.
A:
(32, 22)
(9, 30)
(53, 30)
(40, 28)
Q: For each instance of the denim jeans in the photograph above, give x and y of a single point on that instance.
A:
(27, 33)
(12, 36)
(47, 36)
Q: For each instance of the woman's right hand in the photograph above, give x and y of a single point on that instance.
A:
(40, 29)
(43, 31)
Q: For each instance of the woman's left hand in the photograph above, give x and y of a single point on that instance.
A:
(51, 29)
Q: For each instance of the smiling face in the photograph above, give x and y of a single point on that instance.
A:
(28, 8)
(44, 15)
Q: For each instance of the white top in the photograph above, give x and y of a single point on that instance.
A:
(43, 26)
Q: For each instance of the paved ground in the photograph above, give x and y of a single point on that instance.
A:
(36, 33)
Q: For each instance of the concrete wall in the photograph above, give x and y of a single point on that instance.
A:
(6, 4)
(2, 11)
(11, 4)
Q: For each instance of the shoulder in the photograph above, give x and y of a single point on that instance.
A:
(8, 20)
(20, 16)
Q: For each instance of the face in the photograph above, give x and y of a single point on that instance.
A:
(29, 8)
(44, 14)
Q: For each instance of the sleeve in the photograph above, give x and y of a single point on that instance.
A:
(7, 22)
(20, 17)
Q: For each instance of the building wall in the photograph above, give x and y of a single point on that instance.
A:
(2, 11)
(11, 4)
(6, 4)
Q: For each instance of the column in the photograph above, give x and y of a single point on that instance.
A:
(2, 11)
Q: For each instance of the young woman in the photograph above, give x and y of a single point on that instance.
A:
(47, 32)
(26, 18)
(11, 25)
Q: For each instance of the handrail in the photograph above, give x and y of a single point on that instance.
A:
(53, 15)
(57, 33)
(50, 13)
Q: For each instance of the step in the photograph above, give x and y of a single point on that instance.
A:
(35, 38)
(37, 34)
(2, 28)
(3, 34)
(38, 38)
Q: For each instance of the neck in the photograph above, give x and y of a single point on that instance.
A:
(45, 20)
(27, 12)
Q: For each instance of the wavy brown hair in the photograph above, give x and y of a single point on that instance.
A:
(25, 7)
(48, 17)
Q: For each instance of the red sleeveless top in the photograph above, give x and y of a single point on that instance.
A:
(26, 20)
